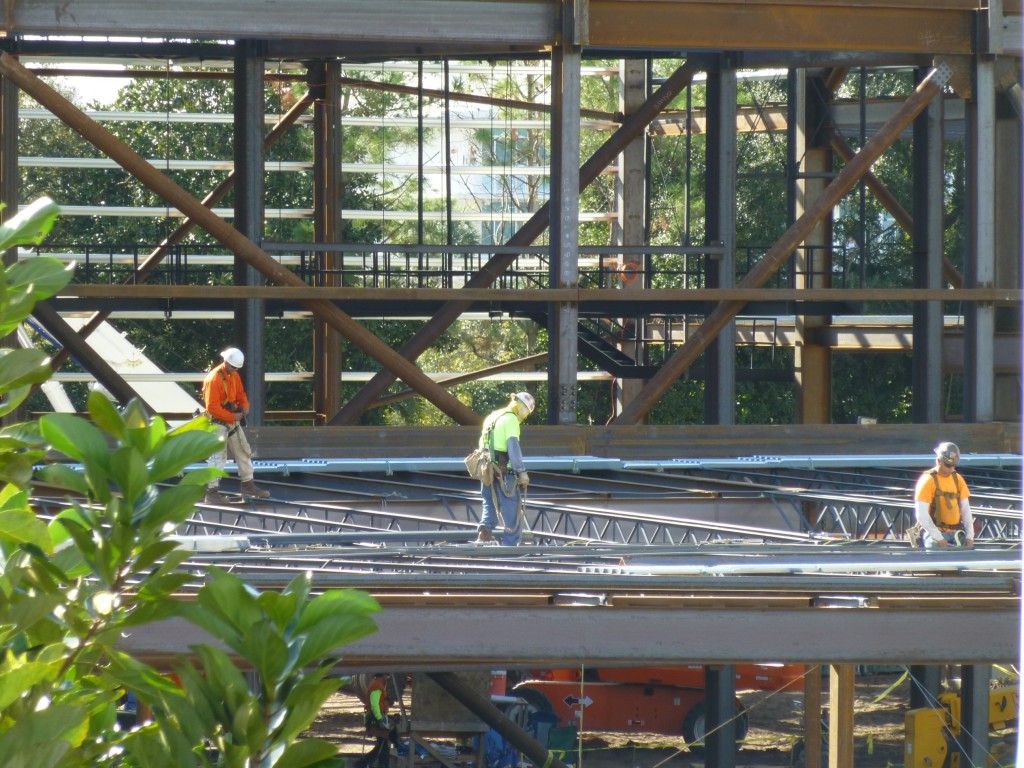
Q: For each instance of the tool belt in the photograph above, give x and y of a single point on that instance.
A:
(948, 528)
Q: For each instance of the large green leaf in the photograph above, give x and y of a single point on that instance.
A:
(331, 633)
(22, 367)
(63, 476)
(337, 601)
(263, 647)
(104, 414)
(13, 398)
(41, 740)
(17, 468)
(183, 449)
(172, 505)
(128, 470)
(75, 438)
(40, 276)
(30, 225)
(305, 701)
(230, 598)
(309, 753)
(21, 526)
(17, 676)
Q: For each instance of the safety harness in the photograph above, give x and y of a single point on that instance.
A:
(933, 508)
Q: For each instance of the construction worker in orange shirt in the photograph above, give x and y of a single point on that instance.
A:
(227, 406)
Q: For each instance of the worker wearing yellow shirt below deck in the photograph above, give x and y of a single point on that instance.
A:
(227, 405)
(941, 502)
(502, 499)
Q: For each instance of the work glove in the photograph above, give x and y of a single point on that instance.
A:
(384, 723)
(524, 480)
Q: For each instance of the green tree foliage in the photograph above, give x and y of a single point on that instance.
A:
(73, 585)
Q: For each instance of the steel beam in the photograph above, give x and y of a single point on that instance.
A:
(522, 22)
(500, 636)
(937, 28)
(783, 248)
(942, 27)
(230, 237)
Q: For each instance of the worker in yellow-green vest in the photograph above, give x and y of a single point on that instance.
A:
(502, 499)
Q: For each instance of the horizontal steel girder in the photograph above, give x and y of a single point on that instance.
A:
(940, 27)
(509, 636)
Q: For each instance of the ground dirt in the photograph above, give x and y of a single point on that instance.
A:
(775, 727)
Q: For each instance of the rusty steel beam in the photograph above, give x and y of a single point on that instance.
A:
(150, 263)
(631, 127)
(228, 236)
(928, 28)
(91, 360)
(777, 255)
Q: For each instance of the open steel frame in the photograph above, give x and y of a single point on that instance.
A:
(956, 47)
(967, 51)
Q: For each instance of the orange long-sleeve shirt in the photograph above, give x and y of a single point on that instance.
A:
(222, 386)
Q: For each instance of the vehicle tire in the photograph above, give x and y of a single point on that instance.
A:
(532, 701)
(535, 700)
(695, 728)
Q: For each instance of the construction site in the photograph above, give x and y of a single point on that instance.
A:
(683, 555)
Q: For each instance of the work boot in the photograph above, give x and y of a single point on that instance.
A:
(249, 488)
(214, 496)
(482, 534)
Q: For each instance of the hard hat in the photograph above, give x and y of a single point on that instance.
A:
(526, 399)
(233, 357)
(948, 454)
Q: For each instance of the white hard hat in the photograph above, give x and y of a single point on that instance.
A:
(233, 357)
(526, 399)
(948, 454)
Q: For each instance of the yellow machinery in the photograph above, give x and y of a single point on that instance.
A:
(930, 732)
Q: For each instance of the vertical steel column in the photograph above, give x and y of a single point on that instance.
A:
(327, 228)
(563, 318)
(1008, 245)
(927, 233)
(979, 261)
(9, 195)
(631, 207)
(974, 705)
(925, 684)
(249, 111)
(720, 715)
(720, 357)
(813, 361)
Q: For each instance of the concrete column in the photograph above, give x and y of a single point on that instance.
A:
(563, 319)
(249, 199)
